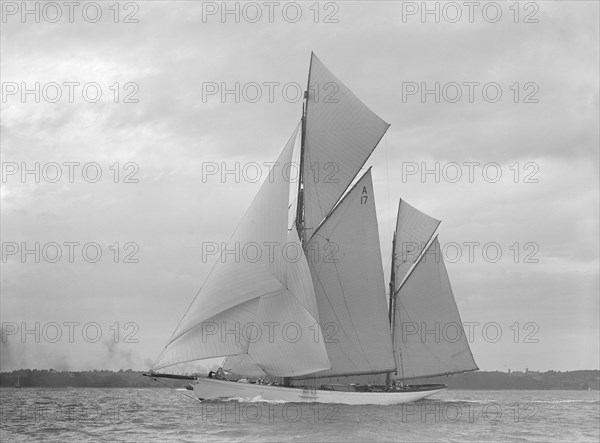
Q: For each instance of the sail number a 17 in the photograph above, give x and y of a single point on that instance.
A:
(364, 196)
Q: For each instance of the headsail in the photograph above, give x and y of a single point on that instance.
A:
(345, 262)
(243, 364)
(244, 293)
(340, 134)
(429, 338)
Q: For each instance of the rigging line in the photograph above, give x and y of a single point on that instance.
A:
(337, 318)
(217, 261)
(422, 254)
(403, 355)
(203, 283)
(346, 194)
(252, 362)
(387, 167)
(195, 297)
(355, 186)
(195, 399)
(425, 343)
(360, 347)
(357, 171)
(313, 228)
(441, 374)
(231, 307)
(199, 360)
(288, 265)
(362, 351)
(293, 195)
(342, 286)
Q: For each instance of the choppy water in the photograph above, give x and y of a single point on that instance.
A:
(141, 415)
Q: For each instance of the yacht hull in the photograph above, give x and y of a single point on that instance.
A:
(212, 389)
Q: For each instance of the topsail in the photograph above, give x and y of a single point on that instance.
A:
(341, 132)
(414, 229)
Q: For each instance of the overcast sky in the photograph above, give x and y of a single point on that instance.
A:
(541, 134)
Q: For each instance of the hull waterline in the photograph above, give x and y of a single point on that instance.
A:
(212, 389)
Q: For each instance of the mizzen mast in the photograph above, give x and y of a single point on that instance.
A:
(392, 312)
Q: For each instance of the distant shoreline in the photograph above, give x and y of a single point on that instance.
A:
(582, 380)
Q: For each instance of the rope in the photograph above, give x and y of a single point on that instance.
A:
(195, 399)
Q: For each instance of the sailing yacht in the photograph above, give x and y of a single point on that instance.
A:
(307, 300)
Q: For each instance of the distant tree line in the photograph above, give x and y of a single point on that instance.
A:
(571, 380)
(78, 379)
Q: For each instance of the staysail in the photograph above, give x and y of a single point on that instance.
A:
(429, 338)
(253, 292)
(345, 262)
(340, 134)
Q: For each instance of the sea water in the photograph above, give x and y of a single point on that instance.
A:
(168, 415)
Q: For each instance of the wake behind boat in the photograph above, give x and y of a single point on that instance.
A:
(308, 301)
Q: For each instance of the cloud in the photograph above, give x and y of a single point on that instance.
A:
(174, 129)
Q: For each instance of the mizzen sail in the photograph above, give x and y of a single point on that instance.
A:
(429, 338)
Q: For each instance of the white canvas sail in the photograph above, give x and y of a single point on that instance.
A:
(243, 364)
(286, 347)
(261, 283)
(299, 281)
(295, 328)
(345, 261)
(340, 134)
(429, 338)
(414, 230)
(219, 336)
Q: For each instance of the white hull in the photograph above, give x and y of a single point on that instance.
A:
(212, 389)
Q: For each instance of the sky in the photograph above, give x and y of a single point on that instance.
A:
(517, 172)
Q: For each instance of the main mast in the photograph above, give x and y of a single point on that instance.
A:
(287, 381)
(316, 201)
(300, 197)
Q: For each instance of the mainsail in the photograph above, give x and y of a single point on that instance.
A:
(340, 134)
(345, 263)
